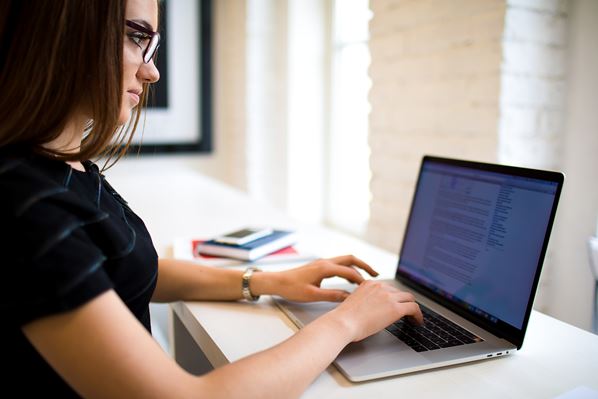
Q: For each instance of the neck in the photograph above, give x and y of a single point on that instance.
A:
(69, 140)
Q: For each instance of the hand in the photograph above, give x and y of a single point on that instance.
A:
(373, 306)
(303, 283)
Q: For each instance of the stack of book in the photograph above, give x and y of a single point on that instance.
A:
(276, 240)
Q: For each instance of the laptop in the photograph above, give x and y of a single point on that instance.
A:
(472, 253)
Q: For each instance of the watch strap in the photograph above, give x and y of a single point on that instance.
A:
(245, 290)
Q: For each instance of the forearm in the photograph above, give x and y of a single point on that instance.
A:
(286, 370)
(183, 280)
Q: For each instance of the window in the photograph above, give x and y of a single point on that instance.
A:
(308, 108)
(348, 193)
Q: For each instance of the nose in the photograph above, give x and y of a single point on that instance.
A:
(148, 73)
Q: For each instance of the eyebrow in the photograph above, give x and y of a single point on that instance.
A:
(144, 23)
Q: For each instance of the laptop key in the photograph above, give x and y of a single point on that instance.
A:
(436, 333)
(447, 344)
(419, 348)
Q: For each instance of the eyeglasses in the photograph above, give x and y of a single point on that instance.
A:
(147, 40)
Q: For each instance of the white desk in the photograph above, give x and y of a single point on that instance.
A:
(555, 357)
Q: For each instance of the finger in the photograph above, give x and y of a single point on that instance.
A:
(348, 273)
(323, 294)
(380, 285)
(403, 296)
(412, 310)
(350, 260)
(400, 296)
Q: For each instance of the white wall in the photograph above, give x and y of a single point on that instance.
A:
(435, 87)
(532, 97)
(573, 281)
(267, 100)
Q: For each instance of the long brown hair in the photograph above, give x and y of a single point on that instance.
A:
(54, 56)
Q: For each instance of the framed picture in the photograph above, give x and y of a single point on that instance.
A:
(179, 113)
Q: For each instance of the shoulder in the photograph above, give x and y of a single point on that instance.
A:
(26, 180)
(55, 265)
(36, 204)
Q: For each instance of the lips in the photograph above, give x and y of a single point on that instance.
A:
(135, 95)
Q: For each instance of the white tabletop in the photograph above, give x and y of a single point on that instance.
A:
(555, 358)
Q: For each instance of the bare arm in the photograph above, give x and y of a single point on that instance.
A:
(184, 280)
(101, 350)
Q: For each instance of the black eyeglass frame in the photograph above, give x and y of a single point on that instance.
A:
(150, 51)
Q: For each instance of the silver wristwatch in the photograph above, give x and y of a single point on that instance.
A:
(245, 285)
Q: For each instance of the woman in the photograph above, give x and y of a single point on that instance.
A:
(79, 266)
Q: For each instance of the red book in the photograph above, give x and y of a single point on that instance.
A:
(196, 255)
(186, 249)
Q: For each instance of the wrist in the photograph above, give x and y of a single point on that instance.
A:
(342, 323)
(263, 283)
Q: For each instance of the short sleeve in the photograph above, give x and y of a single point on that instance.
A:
(50, 264)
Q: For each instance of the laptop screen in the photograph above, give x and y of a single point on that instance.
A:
(476, 237)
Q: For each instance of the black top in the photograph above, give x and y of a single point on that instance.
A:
(66, 237)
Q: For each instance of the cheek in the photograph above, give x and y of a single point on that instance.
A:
(131, 58)
(129, 80)
(129, 67)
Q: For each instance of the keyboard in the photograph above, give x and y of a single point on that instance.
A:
(436, 333)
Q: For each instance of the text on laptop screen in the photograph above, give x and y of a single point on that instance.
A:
(475, 237)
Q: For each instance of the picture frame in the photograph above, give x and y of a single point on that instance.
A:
(178, 117)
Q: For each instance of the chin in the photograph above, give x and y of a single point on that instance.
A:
(124, 117)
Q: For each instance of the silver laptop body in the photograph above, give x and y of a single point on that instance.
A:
(472, 252)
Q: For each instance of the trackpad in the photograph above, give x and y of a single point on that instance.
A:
(304, 313)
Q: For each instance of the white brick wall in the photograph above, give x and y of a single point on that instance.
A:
(436, 77)
(533, 83)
